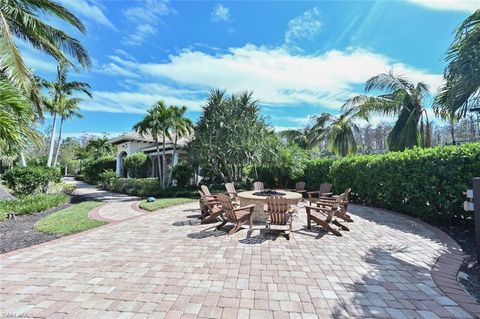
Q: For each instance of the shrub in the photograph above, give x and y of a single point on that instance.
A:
(182, 173)
(425, 183)
(31, 204)
(137, 165)
(93, 168)
(107, 178)
(145, 187)
(31, 179)
(317, 171)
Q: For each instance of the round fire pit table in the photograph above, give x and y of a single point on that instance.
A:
(259, 216)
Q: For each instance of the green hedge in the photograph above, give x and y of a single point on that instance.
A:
(145, 187)
(31, 179)
(424, 183)
(31, 204)
(92, 169)
(317, 172)
(137, 165)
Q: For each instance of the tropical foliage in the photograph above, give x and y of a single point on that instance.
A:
(162, 122)
(21, 101)
(228, 135)
(400, 97)
(31, 179)
(461, 90)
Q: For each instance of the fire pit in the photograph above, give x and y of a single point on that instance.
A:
(259, 199)
(268, 192)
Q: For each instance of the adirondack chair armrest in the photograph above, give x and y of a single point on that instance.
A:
(212, 203)
(318, 209)
(250, 208)
(231, 193)
(325, 194)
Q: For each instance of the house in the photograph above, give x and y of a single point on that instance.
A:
(132, 142)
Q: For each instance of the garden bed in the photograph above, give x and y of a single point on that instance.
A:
(469, 276)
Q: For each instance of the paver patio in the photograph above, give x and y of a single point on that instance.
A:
(166, 265)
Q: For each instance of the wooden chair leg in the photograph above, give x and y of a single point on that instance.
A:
(250, 220)
(309, 221)
(220, 226)
(329, 228)
(343, 227)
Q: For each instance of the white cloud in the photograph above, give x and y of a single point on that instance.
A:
(305, 26)
(90, 10)
(220, 13)
(140, 97)
(278, 77)
(145, 18)
(449, 5)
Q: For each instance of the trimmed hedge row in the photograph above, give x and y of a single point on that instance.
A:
(92, 169)
(424, 183)
(31, 179)
(145, 187)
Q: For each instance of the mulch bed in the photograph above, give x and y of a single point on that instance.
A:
(19, 233)
(469, 275)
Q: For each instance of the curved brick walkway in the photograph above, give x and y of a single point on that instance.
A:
(166, 265)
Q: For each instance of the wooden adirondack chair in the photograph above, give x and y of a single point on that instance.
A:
(258, 186)
(299, 188)
(280, 214)
(204, 202)
(325, 217)
(207, 193)
(215, 211)
(337, 201)
(239, 216)
(231, 191)
(323, 191)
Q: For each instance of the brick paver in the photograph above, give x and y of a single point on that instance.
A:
(166, 265)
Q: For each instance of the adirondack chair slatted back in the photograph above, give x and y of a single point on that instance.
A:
(337, 206)
(205, 190)
(300, 186)
(277, 208)
(258, 186)
(325, 188)
(227, 206)
(230, 189)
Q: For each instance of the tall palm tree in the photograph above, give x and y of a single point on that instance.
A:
(59, 89)
(401, 98)
(462, 75)
(180, 127)
(25, 19)
(339, 134)
(157, 123)
(68, 108)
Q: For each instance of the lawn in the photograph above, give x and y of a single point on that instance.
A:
(70, 220)
(162, 203)
(31, 204)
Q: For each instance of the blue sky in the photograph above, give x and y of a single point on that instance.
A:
(299, 58)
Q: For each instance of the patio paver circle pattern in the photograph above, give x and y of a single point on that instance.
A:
(167, 265)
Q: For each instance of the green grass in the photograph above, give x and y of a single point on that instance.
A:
(31, 204)
(162, 203)
(70, 220)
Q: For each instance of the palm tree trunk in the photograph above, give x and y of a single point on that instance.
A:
(170, 174)
(23, 162)
(452, 132)
(158, 162)
(59, 140)
(164, 162)
(52, 141)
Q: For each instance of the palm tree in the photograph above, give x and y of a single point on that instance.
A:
(180, 126)
(99, 147)
(25, 19)
(299, 137)
(68, 108)
(339, 134)
(462, 75)
(401, 98)
(16, 117)
(60, 89)
(157, 123)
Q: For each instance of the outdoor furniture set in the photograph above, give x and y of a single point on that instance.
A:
(274, 208)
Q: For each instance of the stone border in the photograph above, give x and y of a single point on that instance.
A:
(444, 271)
